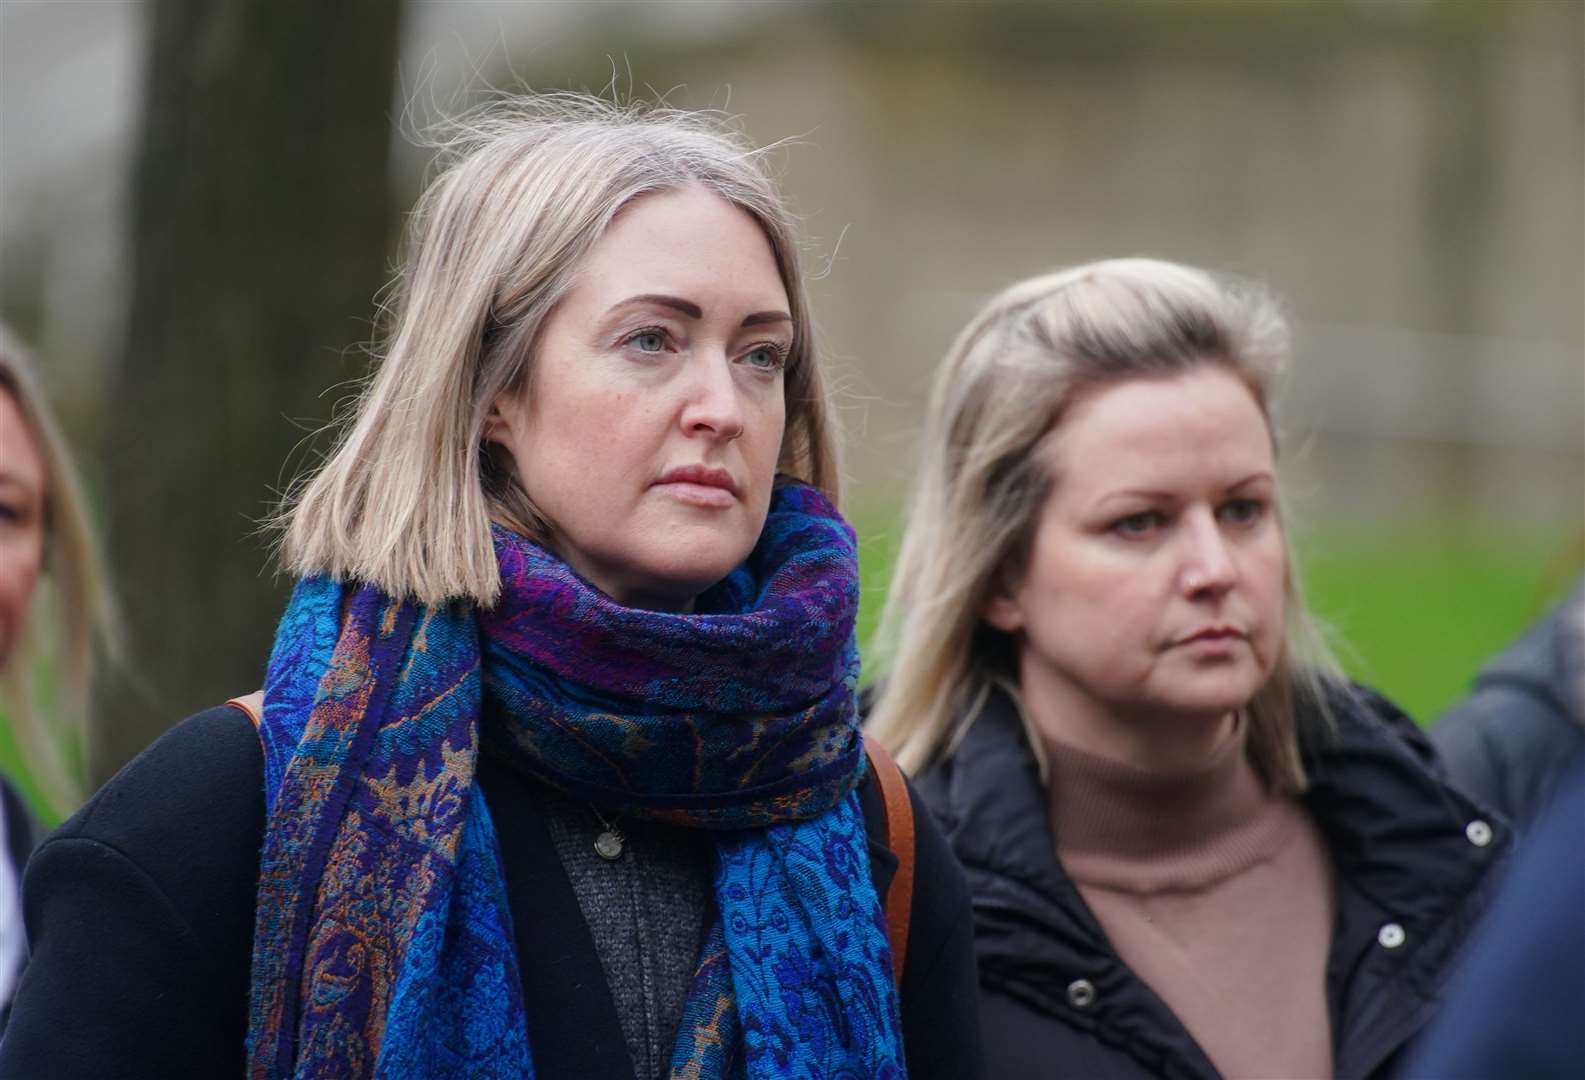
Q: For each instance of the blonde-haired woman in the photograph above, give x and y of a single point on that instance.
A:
(558, 771)
(1193, 852)
(45, 539)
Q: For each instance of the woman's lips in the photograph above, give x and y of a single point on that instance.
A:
(700, 485)
(1215, 632)
(1212, 640)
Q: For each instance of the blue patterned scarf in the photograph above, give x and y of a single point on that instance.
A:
(383, 944)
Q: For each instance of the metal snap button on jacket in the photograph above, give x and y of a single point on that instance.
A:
(1081, 993)
(1391, 936)
(1479, 833)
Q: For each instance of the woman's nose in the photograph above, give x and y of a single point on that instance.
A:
(1208, 565)
(714, 404)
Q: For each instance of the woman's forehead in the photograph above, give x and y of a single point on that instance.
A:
(680, 242)
(1201, 426)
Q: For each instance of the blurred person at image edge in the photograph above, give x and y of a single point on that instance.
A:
(1511, 739)
(54, 608)
(1194, 849)
(1514, 1007)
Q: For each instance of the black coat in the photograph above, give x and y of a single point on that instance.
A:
(140, 910)
(1055, 999)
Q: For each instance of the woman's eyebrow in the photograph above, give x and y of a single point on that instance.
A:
(687, 307)
(759, 318)
(1149, 494)
(19, 481)
(1251, 479)
(694, 311)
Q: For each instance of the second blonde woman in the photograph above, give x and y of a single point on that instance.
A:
(1193, 852)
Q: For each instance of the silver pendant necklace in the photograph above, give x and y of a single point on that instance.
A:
(608, 845)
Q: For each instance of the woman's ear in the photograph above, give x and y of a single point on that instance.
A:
(497, 425)
(1003, 611)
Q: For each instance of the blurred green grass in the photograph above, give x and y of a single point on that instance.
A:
(1414, 611)
(14, 769)
(13, 764)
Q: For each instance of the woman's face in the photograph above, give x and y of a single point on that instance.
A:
(649, 432)
(21, 522)
(1155, 586)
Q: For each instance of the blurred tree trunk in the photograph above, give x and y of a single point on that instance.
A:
(259, 214)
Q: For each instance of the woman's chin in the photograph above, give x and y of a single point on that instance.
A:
(670, 584)
(1208, 695)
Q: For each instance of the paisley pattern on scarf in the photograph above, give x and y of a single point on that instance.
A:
(383, 939)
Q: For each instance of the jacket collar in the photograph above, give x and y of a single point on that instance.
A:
(1392, 823)
(1395, 829)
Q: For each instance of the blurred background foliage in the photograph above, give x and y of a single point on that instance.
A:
(199, 201)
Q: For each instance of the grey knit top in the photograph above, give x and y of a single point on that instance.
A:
(646, 910)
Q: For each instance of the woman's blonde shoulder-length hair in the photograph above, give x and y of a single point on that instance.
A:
(1001, 389)
(525, 187)
(71, 623)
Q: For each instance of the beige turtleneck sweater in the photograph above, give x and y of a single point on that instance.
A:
(1215, 893)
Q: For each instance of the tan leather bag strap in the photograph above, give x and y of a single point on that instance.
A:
(899, 898)
(252, 705)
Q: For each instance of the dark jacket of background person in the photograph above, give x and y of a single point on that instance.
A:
(142, 925)
(1514, 735)
(20, 836)
(1407, 851)
(20, 832)
(1516, 1005)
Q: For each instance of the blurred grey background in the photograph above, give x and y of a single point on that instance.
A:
(1409, 176)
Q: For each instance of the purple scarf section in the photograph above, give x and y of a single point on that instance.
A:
(739, 714)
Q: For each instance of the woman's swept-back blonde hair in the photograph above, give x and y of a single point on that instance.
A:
(526, 187)
(71, 621)
(1001, 389)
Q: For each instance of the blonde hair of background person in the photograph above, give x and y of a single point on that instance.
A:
(71, 617)
(981, 485)
(473, 301)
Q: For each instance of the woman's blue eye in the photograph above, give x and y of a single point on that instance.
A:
(765, 357)
(649, 341)
(1138, 524)
(1242, 511)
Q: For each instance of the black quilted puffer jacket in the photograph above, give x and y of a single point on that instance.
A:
(1413, 861)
